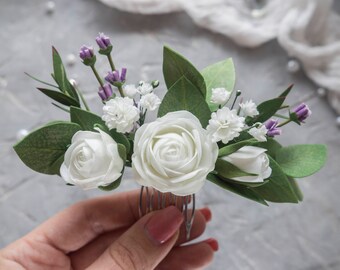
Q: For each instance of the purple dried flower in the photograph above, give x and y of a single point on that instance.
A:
(105, 92)
(113, 76)
(302, 112)
(123, 75)
(272, 128)
(86, 52)
(103, 41)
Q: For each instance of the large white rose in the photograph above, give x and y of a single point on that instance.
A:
(251, 159)
(92, 160)
(173, 154)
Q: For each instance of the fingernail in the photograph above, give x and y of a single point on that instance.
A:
(212, 243)
(164, 224)
(206, 213)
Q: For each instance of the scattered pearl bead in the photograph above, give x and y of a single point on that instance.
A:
(71, 59)
(338, 121)
(50, 7)
(321, 92)
(73, 82)
(22, 133)
(293, 66)
(258, 13)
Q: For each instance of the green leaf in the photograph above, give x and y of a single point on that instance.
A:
(175, 66)
(85, 119)
(297, 191)
(268, 108)
(271, 145)
(121, 139)
(36, 79)
(116, 183)
(231, 148)
(302, 160)
(183, 95)
(238, 189)
(228, 170)
(278, 189)
(60, 97)
(43, 150)
(60, 76)
(221, 74)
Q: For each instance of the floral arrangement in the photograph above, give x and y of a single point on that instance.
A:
(204, 131)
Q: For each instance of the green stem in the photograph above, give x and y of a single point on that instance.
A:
(120, 89)
(111, 62)
(97, 76)
(83, 99)
(281, 116)
(284, 123)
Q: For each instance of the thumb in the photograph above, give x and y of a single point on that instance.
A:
(145, 244)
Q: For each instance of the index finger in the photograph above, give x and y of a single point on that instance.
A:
(81, 223)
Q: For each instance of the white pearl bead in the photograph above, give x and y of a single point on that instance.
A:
(321, 92)
(22, 133)
(71, 59)
(293, 66)
(50, 7)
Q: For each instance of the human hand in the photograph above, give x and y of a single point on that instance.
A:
(106, 233)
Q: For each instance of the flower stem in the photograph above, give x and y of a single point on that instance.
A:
(82, 98)
(111, 62)
(120, 89)
(281, 116)
(284, 123)
(97, 76)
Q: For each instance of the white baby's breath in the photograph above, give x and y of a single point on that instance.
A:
(144, 88)
(150, 102)
(219, 96)
(225, 125)
(130, 90)
(259, 133)
(248, 108)
(121, 114)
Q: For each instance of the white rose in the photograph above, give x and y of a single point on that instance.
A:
(150, 102)
(259, 133)
(251, 159)
(92, 160)
(248, 108)
(129, 90)
(144, 88)
(219, 96)
(173, 154)
(121, 114)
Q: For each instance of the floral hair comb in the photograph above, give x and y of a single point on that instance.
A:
(202, 133)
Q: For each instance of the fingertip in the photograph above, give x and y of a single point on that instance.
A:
(206, 212)
(213, 244)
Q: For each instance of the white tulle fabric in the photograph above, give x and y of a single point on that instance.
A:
(307, 29)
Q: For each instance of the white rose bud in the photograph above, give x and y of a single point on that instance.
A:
(251, 159)
(121, 114)
(150, 102)
(219, 96)
(173, 154)
(248, 108)
(92, 160)
(129, 90)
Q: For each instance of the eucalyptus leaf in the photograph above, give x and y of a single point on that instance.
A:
(295, 186)
(238, 189)
(231, 148)
(175, 66)
(60, 97)
(278, 189)
(269, 108)
(43, 149)
(271, 145)
(86, 119)
(221, 74)
(183, 95)
(228, 170)
(302, 160)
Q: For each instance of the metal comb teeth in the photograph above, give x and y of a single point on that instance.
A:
(151, 199)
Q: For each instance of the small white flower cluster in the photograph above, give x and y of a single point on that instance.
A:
(122, 113)
(226, 124)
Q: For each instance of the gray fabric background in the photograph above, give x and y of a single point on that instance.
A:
(251, 236)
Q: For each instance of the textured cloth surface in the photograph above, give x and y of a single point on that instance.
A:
(251, 236)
